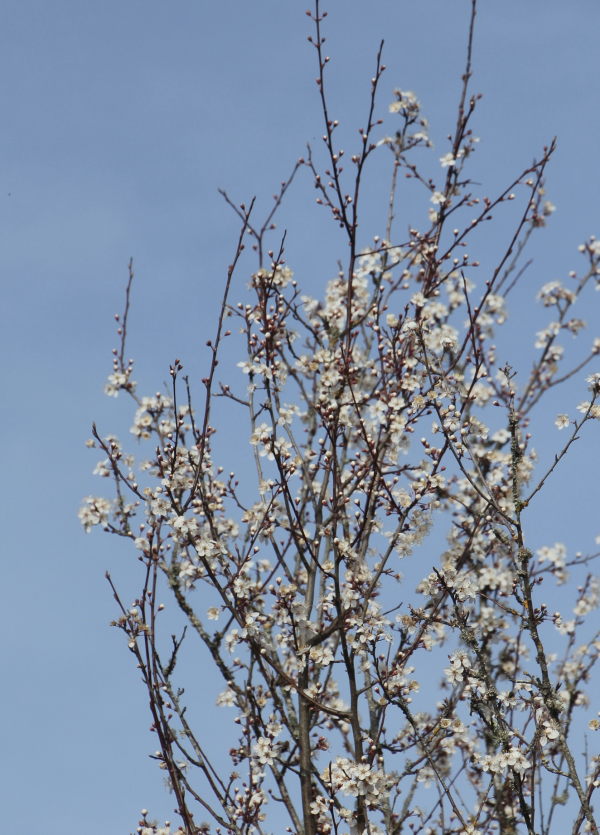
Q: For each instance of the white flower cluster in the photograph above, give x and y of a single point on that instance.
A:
(553, 292)
(279, 277)
(498, 763)
(265, 751)
(460, 666)
(118, 381)
(94, 511)
(368, 630)
(357, 780)
(408, 106)
(589, 598)
(464, 583)
(557, 557)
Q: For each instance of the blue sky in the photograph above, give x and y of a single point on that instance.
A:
(119, 122)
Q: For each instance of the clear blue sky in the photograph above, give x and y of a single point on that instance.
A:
(120, 119)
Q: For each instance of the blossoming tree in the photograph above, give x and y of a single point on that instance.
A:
(367, 414)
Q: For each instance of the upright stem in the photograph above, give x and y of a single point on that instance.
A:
(306, 788)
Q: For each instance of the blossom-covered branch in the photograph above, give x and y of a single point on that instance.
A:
(364, 701)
